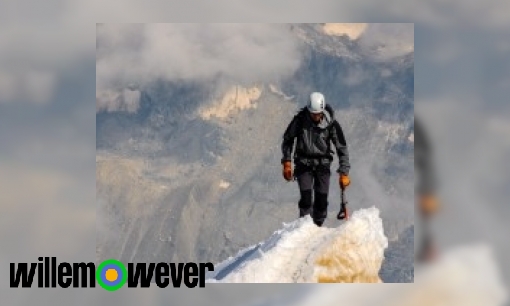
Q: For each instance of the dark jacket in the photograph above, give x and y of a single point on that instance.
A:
(314, 140)
(423, 161)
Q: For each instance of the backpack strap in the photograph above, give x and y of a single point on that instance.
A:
(301, 116)
(330, 110)
(333, 119)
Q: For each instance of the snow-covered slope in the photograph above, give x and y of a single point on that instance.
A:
(302, 252)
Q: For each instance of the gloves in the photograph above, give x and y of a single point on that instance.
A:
(429, 205)
(344, 181)
(287, 170)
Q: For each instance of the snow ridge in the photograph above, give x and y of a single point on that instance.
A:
(301, 252)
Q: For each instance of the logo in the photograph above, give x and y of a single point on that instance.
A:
(111, 274)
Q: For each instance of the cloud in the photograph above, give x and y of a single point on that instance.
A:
(123, 100)
(49, 47)
(244, 53)
(352, 30)
(386, 41)
(33, 59)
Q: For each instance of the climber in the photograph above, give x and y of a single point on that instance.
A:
(426, 191)
(315, 129)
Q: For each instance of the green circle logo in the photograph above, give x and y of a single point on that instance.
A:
(111, 274)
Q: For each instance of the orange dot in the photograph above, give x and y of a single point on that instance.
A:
(111, 275)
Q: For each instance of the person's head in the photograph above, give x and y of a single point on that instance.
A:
(316, 106)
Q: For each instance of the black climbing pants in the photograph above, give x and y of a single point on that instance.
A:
(313, 180)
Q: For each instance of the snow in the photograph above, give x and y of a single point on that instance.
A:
(465, 275)
(356, 253)
(301, 252)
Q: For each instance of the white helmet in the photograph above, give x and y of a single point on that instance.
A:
(317, 103)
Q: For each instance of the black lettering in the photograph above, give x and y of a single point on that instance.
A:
(192, 270)
(54, 272)
(140, 273)
(22, 274)
(203, 266)
(162, 273)
(134, 275)
(64, 271)
(76, 274)
(176, 275)
(40, 273)
(46, 272)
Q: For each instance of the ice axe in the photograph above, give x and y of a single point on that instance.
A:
(343, 213)
(427, 251)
